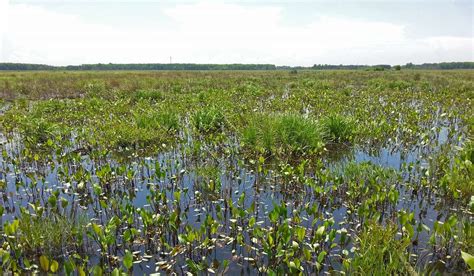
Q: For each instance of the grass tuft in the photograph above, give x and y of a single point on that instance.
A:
(208, 120)
(339, 128)
(380, 252)
(283, 133)
(49, 235)
(148, 95)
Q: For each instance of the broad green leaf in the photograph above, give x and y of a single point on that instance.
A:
(69, 267)
(54, 266)
(251, 221)
(44, 263)
(320, 231)
(116, 272)
(97, 271)
(81, 272)
(469, 259)
(128, 259)
(96, 229)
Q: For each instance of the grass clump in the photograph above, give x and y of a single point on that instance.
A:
(283, 133)
(147, 121)
(169, 120)
(339, 128)
(208, 120)
(49, 235)
(163, 120)
(148, 95)
(380, 252)
(125, 135)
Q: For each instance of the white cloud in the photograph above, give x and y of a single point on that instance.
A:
(217, 33)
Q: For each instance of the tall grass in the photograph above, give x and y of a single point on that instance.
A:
(50, 235)
(208, 120)
(283, 133)
(339, 128)
(153, 120)
(381, 253)
(148, 94)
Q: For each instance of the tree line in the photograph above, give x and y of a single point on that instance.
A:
(144, 66)
(193, 66)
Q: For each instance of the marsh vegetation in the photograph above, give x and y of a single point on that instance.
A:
(359, 172)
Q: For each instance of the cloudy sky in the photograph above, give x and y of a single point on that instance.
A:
(279, 32)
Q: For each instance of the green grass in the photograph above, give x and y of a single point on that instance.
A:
(181, 167)
(167, 120)
(339, 128)
(380, 252)
(283, 133)
(50, 235)
(209, 119)
(148, 95)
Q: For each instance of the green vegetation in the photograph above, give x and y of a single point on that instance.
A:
(381, 253)
(49, 235)
(340, 128)
(272, 172)
(288, 133)
(209, 119)
(458, 178)
(148, 95)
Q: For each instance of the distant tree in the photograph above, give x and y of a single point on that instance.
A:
(193, 66)
(397, 67)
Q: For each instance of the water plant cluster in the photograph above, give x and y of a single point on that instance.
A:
(356, 172)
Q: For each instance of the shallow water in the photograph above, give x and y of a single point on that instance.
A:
(236, 178)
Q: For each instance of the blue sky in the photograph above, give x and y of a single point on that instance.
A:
(278, 32)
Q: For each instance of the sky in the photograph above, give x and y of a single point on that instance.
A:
(287, 32)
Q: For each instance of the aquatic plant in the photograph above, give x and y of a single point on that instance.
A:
(380, 252)
(286, 132)
(209, 119)
(339, 128)
(458, 178)
(236, 172)
(148, 94)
